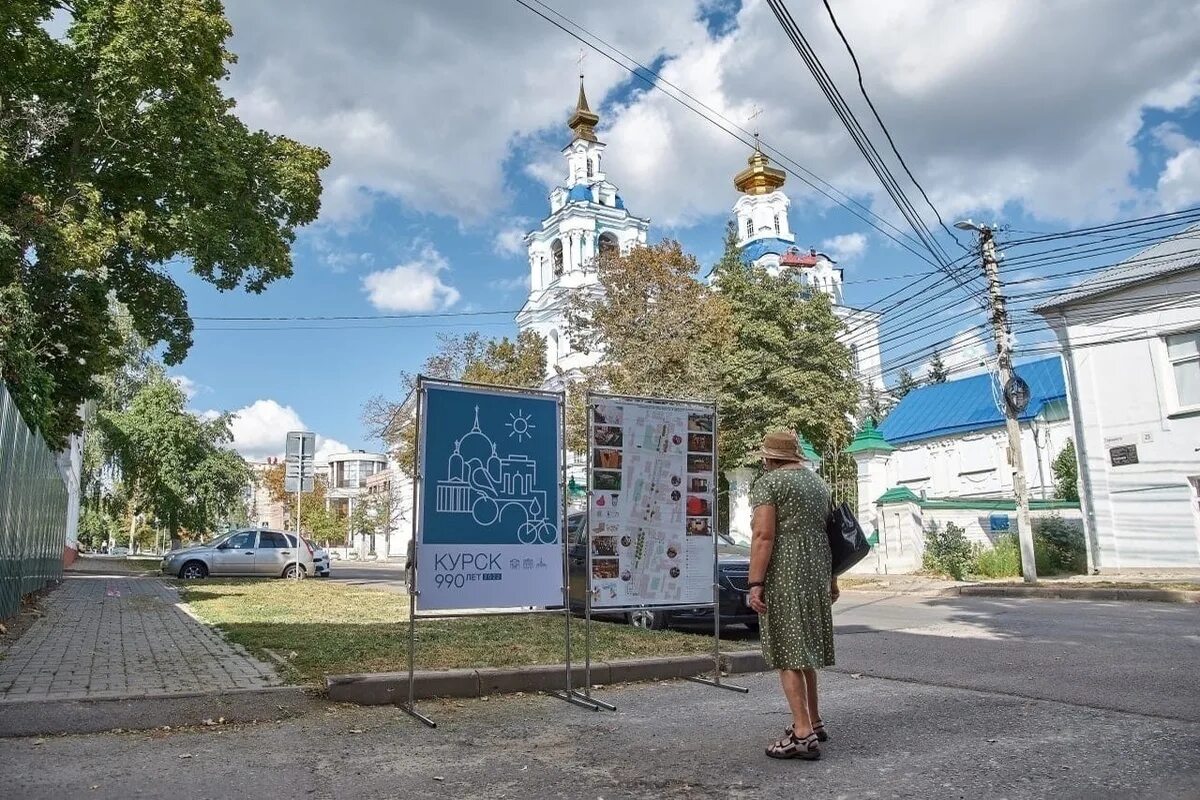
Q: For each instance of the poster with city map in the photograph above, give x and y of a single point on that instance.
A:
(652, 523)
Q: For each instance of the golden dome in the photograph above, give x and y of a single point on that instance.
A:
(584, 119)
(759, 177)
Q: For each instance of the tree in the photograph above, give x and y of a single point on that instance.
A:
(317, 521)
(1066, 473)
(938, 373)
(175, 467)
(785, 367)
(872, 406)
(472, 358)
(662, 332)
(120, 155)
(905, 383)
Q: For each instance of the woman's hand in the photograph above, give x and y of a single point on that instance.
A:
(758, 599)
(834, 591)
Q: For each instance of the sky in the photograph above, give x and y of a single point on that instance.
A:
(445, 120)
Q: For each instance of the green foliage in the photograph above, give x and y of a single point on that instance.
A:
(1066, 473)
(663, 333)
(1059, 547)
(938, 373)
(905, 382)
(120, 155)
(317, 521)
(175, 466)
(471, 358)
(1001, 560)
(947, 551)
(873, 406)
(784, 367)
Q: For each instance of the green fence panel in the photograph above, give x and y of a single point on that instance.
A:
(33, 510)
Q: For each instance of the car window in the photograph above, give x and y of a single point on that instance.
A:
(243, 540)
(273, 540)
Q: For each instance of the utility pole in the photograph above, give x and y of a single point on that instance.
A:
(999, 315)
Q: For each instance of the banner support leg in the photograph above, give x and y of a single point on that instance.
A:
(716, 679)
(410, 707)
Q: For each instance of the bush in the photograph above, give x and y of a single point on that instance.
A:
(1059, 547)
(947, 552)
(1002, 560)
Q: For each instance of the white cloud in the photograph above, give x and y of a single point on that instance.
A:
(415, 285)
(1179, 181)
(510, 241)
(992, 105)
(845, 247)
(521, 283)
(423, 101)
(186, 385)
(260, 429)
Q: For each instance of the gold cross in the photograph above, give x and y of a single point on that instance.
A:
(753, 116)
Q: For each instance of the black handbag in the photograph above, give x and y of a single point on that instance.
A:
(847, 542)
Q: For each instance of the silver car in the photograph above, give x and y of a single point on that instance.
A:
(242, 553)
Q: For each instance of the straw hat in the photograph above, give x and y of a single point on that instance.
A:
(781, 446)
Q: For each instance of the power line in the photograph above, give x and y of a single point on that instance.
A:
(863, 89)
(798, 171)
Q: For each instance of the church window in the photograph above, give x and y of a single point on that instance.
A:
(854, 356)
(777, 225)
(590, 173)
(749, 227)
(608, 244)
(556, 254)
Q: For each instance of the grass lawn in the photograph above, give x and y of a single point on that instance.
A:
(332, 628)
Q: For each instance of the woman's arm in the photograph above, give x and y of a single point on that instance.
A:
(762, 544)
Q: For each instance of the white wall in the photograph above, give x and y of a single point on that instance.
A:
(1145, 514)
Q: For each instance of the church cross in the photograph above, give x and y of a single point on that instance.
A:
(750, 119)
(582, 56)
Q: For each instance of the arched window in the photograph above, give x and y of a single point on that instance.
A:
(777, 225)
(608, 245)
(590, 173)
(556, 256)
(552, 347)
(854, 356)
(749, 227)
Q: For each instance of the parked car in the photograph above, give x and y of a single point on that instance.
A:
(733, 570)
(320, 560)
(119, 551)
(243, 552)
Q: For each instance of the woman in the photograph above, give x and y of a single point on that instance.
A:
(792, 586)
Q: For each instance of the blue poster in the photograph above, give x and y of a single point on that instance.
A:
(491, 506)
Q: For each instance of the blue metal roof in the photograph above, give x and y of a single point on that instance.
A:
(579, 193)
(968, 404)
(619, 203)
(760, 247)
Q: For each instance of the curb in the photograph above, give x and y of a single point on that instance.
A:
(385, 688)
(141, 712)
(1081, 593)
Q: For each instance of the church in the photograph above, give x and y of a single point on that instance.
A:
(588, 217)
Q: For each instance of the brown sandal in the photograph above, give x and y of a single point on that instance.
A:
(818, 729)
(792, 746)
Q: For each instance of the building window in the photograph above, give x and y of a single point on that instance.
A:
(749, 227)
(590, 173)
(777, 231)
(608, 244)
(556, 254)
(854, 356)
(1183, 351)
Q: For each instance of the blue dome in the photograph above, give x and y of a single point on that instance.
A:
(579, 194)
(619, 203)
(760, 247)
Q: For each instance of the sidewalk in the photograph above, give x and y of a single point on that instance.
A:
(116, 636)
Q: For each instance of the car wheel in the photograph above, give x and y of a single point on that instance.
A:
(193, 570)
(648, 619)
(290, 572)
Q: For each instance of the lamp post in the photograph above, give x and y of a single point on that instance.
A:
(1015, 393)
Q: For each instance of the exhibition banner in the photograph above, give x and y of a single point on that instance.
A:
(490, 503)
(652, 509)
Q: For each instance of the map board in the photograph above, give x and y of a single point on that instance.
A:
(652, 508)
(490, 501)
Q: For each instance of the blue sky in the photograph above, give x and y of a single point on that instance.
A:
(444, 135)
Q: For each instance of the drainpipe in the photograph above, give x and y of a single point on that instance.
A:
(1081, 454)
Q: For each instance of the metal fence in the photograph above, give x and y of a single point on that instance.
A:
(33, 510)
(841, 473)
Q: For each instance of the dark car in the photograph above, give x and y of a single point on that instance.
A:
(733, 569)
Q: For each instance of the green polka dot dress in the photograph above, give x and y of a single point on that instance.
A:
(797, 630)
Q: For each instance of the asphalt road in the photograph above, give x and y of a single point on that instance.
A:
(388, 575)
(961, 697)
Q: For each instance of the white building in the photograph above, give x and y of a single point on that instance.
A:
(1131, 345)
(587, 217)
(348, 474)
(766, 240)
